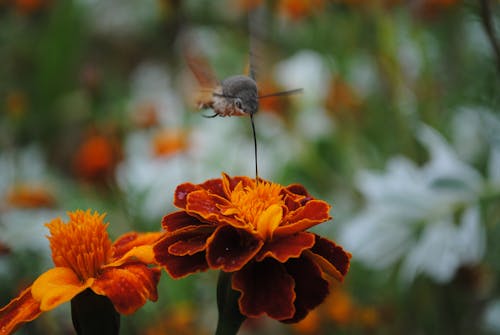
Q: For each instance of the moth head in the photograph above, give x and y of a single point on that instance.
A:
(242, 91)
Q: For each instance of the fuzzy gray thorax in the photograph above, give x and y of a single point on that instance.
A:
(241, 91)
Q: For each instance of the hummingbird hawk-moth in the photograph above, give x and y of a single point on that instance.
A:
(236, 95)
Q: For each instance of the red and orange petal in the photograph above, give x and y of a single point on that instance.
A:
(57, 286)
(266, 289)
(128, 286)
(229, 249)
(332, 259)
(135, 245)
(179, 220)
(186, 263)
(286, 247)
(285, 292)
(20, 310)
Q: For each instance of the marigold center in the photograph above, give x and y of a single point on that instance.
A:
(258, 207)
(81, 244)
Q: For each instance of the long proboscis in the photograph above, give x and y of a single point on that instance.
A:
(255, 149)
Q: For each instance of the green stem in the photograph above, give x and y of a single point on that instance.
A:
(230, 318)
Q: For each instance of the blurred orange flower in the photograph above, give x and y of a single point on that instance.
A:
(256, 230)
(310, 324)
(168, 142)
(342, 101)
(96, 158)
(85, 258)
(30, 196)
(298, 9)
(340, 307)
(181, 321)
(339, 310)
(279, 104)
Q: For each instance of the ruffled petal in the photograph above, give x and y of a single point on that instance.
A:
(179, 220)
(180, 266)
(269, 220)
(332, 259)
(181, 193)
(192, 243)
(300, 190)
(214, 186)
(265, 288)
(310, 287)
(295, 196)
(57, 286)
(128, 286)
(21, 309)
(229, 249)
(286, 247)
(230, 183)
(312, 213)
(128, 241)
(207, 207)
(143, 254)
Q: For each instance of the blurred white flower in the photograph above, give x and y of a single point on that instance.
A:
(306, 70)
(151, 85)
(410, 211)
(23, 229)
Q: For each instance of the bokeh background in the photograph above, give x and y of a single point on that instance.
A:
(398, 128)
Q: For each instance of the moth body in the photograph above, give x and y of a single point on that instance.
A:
(235, 96)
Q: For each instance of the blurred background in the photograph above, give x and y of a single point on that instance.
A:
(398, 128)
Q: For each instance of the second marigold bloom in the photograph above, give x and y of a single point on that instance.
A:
(257, 231)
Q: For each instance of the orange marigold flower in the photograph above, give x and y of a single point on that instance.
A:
(257, 232)
(85, 258)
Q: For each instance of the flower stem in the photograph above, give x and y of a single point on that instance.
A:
(94, 314)
(230, 318)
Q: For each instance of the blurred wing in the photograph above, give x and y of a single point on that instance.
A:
(201, 69)
(205, 77)
(256, 28)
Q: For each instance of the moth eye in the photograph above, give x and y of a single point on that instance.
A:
(238, 104)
